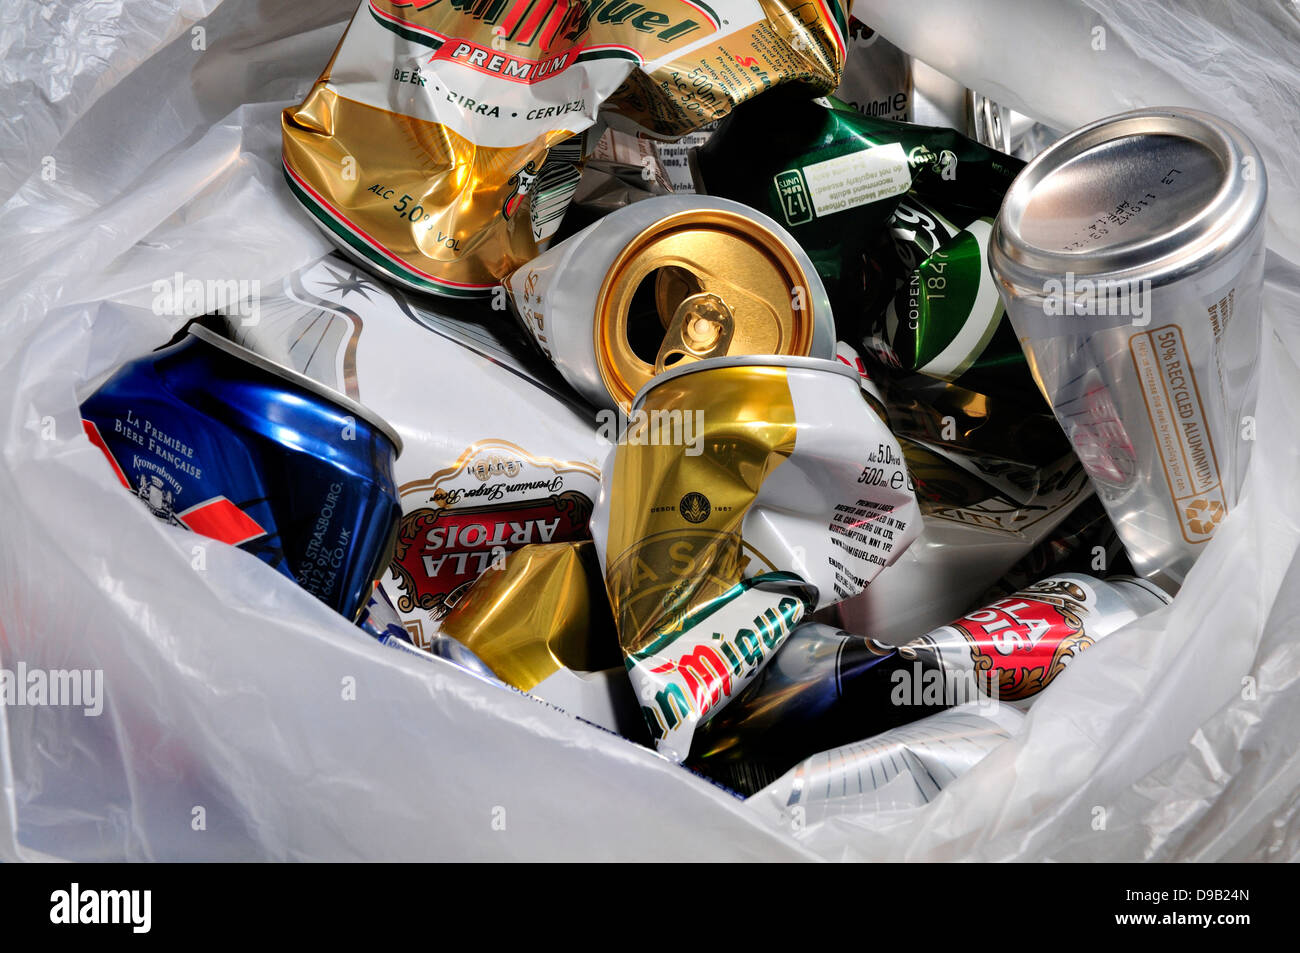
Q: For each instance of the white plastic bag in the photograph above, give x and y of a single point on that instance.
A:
(242, 719)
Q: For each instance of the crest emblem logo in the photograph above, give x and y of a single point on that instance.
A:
(694, 507)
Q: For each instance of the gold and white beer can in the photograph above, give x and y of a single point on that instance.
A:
(1130, 256)
(747, 493)
(665, 282)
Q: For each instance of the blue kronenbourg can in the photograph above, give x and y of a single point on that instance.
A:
(220, 441)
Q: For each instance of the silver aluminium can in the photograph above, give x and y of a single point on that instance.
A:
(1130, 256)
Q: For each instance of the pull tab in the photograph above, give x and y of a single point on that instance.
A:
(702, 326)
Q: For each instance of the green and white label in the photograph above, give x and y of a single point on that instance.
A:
(859, 178)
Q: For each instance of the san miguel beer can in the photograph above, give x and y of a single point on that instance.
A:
(827, 688)
(498, 455)
(443, 141)
(667, 280)
(1130, 256)
(215, 439)
(793, 497)
(900, 768)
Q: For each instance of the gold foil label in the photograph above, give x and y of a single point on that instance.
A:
(674, 540)
(433, 146)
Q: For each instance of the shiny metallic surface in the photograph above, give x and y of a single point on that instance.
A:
(827, 687)
(290, 376)
(217, 440)
(757, 287)
(742, 360)
(902, 768)
(542, 610)
(987, 122)
(1130, 257)
(602, 305)
(939, 100)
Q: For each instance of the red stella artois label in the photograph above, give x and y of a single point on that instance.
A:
(462, 521)
(1026, 640)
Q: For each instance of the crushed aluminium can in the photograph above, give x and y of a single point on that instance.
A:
(877, 79)
(898, 769)
(883, 82)
(439, 144)
(947, 320)
(939, 100)
(1130, 255)
(666, 281)
(217, 440)
(542, 623)
(380, 621)
(827, 688)
(794, 497)
(834, 178)
(479, 478)
(993, 480)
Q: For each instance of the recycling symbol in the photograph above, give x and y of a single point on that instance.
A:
(1203, 515)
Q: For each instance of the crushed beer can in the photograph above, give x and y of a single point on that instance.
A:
(1130, 255)
(441, 145)
(481, 477)
(993, 480)
(827, 688)
(666, 281)
(946, 320)
(542, 623)
(834, 178)
(898, 769)
(877, 78)
(219, 441)
(1085, 541)
(793, 497)
(380, 621)
(883, 82)
(939, 100)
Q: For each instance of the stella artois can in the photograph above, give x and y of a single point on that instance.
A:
(497, 457)
(217, 440)
(793, 496)
(1130, 255)
(443, 141)
(827, 687)
(901, 768)
(666, 281)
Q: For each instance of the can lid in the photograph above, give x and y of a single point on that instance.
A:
(1151, 194)
(698, 284)
(747, 360)
(299, 380)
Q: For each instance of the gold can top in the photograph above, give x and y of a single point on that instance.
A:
(698, 284)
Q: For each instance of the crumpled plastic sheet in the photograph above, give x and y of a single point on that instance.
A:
(243, 720)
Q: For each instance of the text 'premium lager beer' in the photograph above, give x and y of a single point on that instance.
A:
(797, 499)
(440, 143)
(665, 281)
(218, 440)
(1130, 255)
